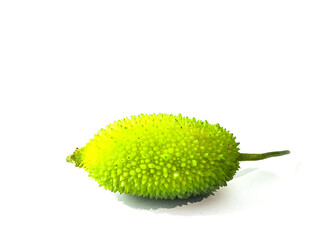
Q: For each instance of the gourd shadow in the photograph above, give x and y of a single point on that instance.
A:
(244, 171)
(241, 193)
(154, 204)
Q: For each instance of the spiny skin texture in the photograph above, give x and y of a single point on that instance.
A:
(160, 156)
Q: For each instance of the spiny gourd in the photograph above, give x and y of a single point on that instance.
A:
(162, 156)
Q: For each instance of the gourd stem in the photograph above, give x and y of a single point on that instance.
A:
(255, 157)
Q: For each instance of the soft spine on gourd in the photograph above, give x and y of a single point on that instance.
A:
(163, 156)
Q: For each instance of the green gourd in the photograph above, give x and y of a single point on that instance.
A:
(162, 156)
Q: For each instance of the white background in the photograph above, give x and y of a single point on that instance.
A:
(69, 68)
